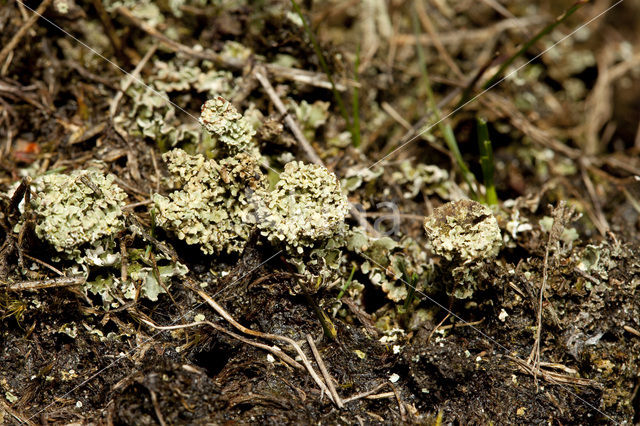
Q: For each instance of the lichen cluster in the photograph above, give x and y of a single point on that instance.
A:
(465, 234)
(213, 206)
(234, 132)
(307, 205)
(83, 207)
(152, 117)
(463, 231)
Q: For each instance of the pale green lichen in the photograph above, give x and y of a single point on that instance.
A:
(214, 205)
(418, 178)
(463, 231)
(383, 259)
(311, 116)
(233, 131)
(466, 234)
(184, 75)
(152, 116)
(71, 213)
(142, 279)
(306, 205)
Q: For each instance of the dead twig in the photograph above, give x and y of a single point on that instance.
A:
(22, 31)
(136, 226)
(550, 376)
(43, 263)
(113, 107)
(325, 373)
(50, 283)
(271, 349)
(364, 394)
(156, 407)
(301, 76)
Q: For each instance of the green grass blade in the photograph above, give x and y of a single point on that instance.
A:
(347, 284)
(486, 162)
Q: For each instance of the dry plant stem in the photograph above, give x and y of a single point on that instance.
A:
(274, 350)
(23, 30)
(552, 377)
(429, 28)
(43, 263)
(534, 357)
(113, 107)
(108, 26)
(293, 125)
(476, 36)
(325, 373)
(302, 140)
(156, 272)
(601, 221)
(268, 336)
(137, 227)
(21, 418)
(631, 330)
(50, 283)
(364, 394)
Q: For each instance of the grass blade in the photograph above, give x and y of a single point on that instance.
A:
(486, 162)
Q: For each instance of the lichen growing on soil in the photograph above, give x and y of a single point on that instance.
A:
(436, 327)
(83, 207)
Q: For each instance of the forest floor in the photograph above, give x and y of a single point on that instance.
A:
(548, 333)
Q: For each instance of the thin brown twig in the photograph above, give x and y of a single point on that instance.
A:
(301, 76)
(274, 350)
(43, 263)
(325, 373)
(156, 407)
(364, 394)
(23, 30)
(430, 29)
(113, 107)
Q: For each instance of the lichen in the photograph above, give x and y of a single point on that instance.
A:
(306, 206)
(384, 258)
(466, 235)
(233, 131)
(463, 231)
(71, 213)
(152, 116)
(422, 177)
(213, 207)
